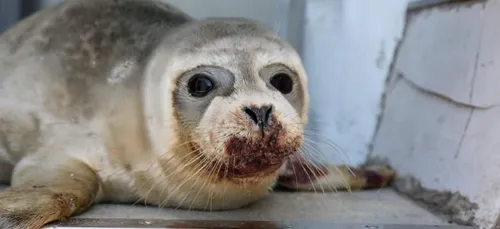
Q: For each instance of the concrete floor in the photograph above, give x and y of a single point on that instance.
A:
(379, 207)
(362, 207)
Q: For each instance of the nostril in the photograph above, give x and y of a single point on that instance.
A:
(259, 115)
(250, 112)
(268, 113)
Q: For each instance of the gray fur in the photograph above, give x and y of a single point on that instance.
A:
(78, 46)
(88, 38)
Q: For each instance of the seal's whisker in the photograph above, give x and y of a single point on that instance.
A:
(156, 183)
(295, 158)
(216, 172)
(331, 143)
(198, 193)
(224, 190)
(198, 168)
(167, 153)
(201, 166)
(182, 169)
(233, 164)
(332, 188)
(336, 149)
(317, 131)
(195, 198)
(294, 172)
(165, 201)
(344, 181)
(316, 143)
(328, 142)
(205, 182)
(315, 165)
(190, 188)
(308, 165)
(308, 177)
(306, 139)
(191, 161)
(312, 144)
(317, 160)
(192, 185)
(199, 190)
(177, 146)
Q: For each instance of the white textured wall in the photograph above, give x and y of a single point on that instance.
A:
(347, 48)
(441, 121)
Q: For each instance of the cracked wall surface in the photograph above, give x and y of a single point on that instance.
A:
(441, 120)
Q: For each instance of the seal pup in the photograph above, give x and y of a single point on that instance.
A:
(134, 100)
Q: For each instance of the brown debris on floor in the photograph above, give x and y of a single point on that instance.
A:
(452, 206)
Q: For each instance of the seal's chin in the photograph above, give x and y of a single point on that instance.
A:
(256, 157)
(252, 158)
(252, 168)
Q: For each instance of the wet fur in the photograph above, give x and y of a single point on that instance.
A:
(87, 113)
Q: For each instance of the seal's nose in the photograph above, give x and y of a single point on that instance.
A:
(259, 115)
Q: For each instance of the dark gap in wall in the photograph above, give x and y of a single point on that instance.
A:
(12, 11)
(28, 7)
(9, 13)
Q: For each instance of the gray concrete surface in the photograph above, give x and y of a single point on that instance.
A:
(374, 207)
(381, 207)
(232, 224)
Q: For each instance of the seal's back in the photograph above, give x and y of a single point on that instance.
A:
(62, 59)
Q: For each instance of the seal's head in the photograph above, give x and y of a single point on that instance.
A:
(230, 104)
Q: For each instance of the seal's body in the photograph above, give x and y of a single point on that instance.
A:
(134, 100)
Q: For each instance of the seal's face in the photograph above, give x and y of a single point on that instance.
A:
(248, 125)
(240, 99)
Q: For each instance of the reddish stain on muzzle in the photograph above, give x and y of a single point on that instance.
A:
(250, 156)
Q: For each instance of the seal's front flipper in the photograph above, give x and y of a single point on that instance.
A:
(303, 175)
(41, 195)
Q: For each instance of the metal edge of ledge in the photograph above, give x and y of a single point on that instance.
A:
(421, 4)
(204, 224)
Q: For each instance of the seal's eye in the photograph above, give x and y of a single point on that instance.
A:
(200, 85)
(283, 82)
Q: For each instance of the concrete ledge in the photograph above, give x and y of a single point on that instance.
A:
(214, 224)
(380, 207)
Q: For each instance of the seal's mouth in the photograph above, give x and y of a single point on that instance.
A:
(252, 158)
(250, 168)
(250, 154)
(246, 158)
